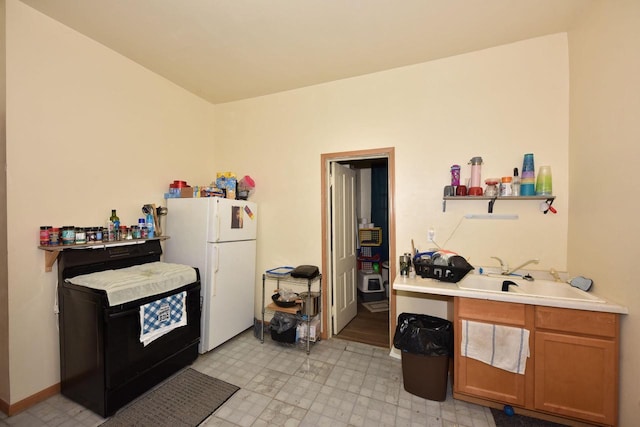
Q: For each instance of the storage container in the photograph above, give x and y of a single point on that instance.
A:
(310, 303)
(370, 286)
(288, 336)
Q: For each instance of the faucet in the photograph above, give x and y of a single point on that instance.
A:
(506, 271)
(506, 284)
(531, 261)
(504, 268)
(555, 275)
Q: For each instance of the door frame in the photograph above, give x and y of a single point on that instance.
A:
(327, 285)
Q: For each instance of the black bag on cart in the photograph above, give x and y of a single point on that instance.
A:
(305, 272)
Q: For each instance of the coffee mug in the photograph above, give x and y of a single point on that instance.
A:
(461, 190)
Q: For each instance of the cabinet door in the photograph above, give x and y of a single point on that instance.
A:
(477, 379)
(576, 376)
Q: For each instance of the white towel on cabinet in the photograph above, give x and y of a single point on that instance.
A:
(139, 281)
(504, 347)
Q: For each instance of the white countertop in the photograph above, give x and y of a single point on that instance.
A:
(436, 287)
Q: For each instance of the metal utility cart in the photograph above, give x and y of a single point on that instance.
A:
(282, 276)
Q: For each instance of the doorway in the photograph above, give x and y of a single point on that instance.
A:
(374, 205)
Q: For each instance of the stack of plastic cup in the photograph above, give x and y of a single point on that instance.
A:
(543, 184)
(528, 178)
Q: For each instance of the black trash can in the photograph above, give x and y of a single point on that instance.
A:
(426, 343)
(283, 327)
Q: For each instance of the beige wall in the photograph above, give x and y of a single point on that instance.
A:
(497, 103)
(87, 131)
(603, 230)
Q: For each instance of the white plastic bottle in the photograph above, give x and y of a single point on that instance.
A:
(515, 183)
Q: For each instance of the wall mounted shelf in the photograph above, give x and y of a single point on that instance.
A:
(52, 252)
(492, 200)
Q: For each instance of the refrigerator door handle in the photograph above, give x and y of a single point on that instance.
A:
(217, 227)
(216, 268)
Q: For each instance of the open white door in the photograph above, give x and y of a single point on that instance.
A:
(344, 256)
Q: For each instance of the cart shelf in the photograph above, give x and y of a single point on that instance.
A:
(281, 276)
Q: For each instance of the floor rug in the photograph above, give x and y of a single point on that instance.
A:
(186, 399)
(376, 306)
(504, 420)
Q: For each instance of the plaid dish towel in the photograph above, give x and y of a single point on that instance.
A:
(162, 316)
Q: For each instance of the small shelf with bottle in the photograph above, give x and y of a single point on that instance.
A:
(54, 240)
(52, 251)
(492, 200)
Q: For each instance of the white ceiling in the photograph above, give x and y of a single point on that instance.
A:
(225, 50)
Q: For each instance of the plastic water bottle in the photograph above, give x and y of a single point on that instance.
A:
(455, 175)
(150, 227)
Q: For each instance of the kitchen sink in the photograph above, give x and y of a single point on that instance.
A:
(537, 288)
(550, 289)
(477, 282)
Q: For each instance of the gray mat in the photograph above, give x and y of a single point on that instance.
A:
(186, 399)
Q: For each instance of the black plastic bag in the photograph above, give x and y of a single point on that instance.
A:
(423, 334)
(305, 272)
(282, 322)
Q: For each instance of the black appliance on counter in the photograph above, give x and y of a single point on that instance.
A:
(103, 364)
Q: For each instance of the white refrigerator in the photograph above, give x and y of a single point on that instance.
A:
(218, 236)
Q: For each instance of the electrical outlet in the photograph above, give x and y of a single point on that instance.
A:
(431, 235)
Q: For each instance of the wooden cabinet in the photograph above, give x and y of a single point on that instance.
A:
(572, 371)
(576, 364)
(478, 379)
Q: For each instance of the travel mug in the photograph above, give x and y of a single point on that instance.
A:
(405, 263)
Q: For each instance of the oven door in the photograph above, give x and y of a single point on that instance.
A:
(126, 357)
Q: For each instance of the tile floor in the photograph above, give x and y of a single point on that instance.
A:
(340, 383)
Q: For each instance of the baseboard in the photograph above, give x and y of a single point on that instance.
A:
(4, 407)
(521, 411)
(24, 404)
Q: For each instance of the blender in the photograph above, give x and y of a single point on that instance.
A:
(474, 185)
